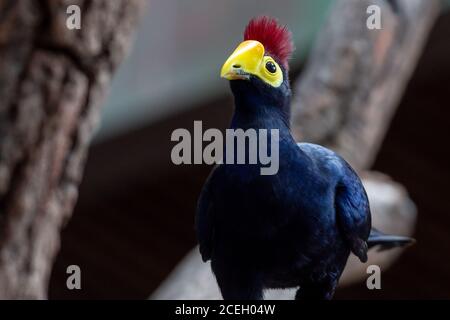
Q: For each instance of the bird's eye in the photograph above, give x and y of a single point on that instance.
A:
(271, 67)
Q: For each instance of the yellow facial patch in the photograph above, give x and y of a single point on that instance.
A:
(249, 59)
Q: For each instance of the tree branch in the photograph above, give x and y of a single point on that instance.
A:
(355, 76)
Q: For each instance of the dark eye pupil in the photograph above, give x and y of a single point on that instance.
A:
(271, 67)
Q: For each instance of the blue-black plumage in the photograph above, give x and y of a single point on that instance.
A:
(294, 228)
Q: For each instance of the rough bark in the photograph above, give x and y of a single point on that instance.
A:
(52, 80)
(355, 76)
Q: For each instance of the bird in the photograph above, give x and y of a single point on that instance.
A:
(292, 229)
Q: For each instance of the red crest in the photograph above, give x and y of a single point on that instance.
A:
(276, 38)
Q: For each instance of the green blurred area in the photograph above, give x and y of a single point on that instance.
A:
(180, 47)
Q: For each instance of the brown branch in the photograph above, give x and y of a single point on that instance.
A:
(355, 77)
(350, 91)
(52, 80)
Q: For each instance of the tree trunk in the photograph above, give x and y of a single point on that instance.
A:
(52, 80)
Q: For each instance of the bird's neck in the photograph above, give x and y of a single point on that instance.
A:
(253, 111)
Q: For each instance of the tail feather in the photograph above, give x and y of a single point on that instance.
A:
(386, 241)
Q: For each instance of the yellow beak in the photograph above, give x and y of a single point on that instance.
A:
(244, 61)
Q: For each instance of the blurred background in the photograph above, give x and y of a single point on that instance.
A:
(134, 219)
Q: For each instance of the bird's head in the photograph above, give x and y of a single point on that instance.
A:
(258, 67)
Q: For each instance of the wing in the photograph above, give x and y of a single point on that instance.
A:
(204, 222)
(353, 212)
(351, 203)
